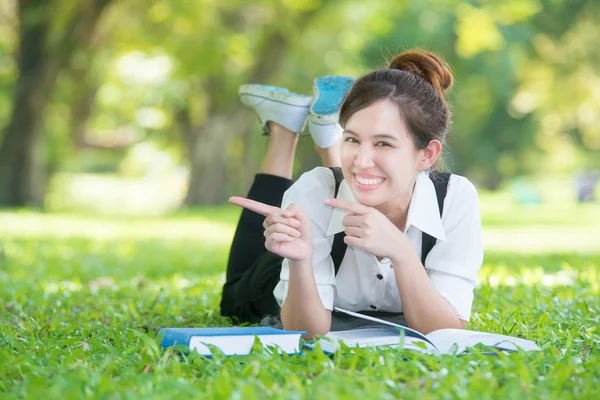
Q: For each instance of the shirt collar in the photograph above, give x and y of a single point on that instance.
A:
(423, 212)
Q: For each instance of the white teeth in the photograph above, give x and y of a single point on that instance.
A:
(368, 181)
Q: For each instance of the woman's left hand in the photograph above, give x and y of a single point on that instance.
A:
(369, 230)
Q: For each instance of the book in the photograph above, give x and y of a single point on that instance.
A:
(443, 341)
(231, 341)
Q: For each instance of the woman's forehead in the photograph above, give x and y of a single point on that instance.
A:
(381, 118)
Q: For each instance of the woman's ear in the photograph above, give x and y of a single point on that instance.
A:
(430, 154)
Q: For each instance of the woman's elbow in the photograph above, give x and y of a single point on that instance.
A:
(449, 324)
(313, 328)
(313, 334)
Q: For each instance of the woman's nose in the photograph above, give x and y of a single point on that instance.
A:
(364, 158)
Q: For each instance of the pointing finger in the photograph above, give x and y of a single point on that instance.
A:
(283, 218)
(257, 207)
(354, 208)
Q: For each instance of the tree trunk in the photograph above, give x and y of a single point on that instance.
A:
(21, 180)
(81, 106)
(30, 93)
(209, 167)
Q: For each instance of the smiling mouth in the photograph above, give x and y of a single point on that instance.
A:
(371, 183)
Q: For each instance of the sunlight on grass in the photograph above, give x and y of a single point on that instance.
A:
(496, 275)
(536, 239)
(172, 284)
(28, 225)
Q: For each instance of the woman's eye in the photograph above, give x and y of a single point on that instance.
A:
(382, 144)
(350, 140)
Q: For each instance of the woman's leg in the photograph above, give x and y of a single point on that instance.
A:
(252, 271)
(331, 156)
(272, 180)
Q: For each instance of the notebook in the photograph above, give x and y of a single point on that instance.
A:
(231, 341)
(442, 341)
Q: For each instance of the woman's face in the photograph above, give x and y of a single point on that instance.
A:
(379, 158)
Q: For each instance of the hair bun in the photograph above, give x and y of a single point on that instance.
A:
(427, 65)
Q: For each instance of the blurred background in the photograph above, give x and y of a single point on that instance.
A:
(129, 107)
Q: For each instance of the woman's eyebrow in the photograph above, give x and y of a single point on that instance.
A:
(385, 136)
(377, 136)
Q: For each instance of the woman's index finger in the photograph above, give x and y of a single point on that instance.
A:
(252, 205)
(351, 207)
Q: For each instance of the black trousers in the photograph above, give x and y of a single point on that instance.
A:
(253, 271)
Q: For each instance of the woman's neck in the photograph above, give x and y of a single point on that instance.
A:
(396, 210)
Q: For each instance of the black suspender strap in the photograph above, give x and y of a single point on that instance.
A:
(338, 249)
(440, 182)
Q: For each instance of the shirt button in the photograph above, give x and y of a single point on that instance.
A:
(379, 276)
(373, 307)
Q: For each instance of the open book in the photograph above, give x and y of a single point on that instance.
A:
(442, 341)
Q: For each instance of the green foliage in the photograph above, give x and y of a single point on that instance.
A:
(81, 300)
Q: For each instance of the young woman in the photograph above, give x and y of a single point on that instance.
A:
(392, 123)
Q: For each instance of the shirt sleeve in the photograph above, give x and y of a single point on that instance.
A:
(309, 193)
(452, 265)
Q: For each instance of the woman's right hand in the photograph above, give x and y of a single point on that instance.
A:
(287, 232)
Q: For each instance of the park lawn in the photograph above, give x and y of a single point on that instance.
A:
(81, 299)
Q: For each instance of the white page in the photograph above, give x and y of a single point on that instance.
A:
(445, 339)
(408, 332)
(373, 337)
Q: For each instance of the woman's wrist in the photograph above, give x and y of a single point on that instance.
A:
(402, 247)
(301, 264)
(403, 256)
(396, 261)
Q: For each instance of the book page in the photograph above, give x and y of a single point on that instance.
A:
(374, 337)
(408, 332)
(445, 339)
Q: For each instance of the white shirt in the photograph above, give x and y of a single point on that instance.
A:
(451, 265)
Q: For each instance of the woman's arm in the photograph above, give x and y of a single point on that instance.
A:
(441, 295)
(307, 284)
(424, 308)
(303, 308)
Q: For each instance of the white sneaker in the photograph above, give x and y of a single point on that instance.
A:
(278, 105)
(324, 135)
(329, 92)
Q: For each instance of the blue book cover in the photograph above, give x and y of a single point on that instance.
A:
(227, 339)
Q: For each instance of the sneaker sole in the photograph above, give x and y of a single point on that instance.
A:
(268, 93)
(330, 91)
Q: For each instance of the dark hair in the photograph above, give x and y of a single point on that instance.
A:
(415, 81)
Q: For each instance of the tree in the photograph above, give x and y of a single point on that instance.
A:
(46, 44)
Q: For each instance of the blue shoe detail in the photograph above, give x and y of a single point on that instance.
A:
(330, 93)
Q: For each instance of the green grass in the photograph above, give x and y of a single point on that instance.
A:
(81, 299)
